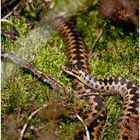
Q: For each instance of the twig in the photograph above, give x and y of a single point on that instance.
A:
(100, 33)
(7, 21)
(29, 118)
(86, 129)
(88, 94)
(10, 13)
(22, 62)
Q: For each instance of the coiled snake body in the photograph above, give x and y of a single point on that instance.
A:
(83, 83)
(78, 55)
(128, 121)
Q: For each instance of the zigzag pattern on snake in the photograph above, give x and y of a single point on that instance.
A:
(78, 55)
(128, 121)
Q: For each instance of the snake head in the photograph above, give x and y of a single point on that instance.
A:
(71, 69)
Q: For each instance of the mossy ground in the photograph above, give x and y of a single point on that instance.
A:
(115, 54)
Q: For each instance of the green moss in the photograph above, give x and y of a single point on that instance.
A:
(117, 50)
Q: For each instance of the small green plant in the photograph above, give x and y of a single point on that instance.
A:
(114, 54)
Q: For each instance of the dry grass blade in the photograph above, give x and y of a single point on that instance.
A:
(86, 129)
(99, 35)
(29, 118)
(11, 12)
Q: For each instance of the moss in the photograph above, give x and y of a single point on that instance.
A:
(117, 51)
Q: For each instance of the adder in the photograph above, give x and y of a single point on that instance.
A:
(128, 121)
(83, 83)
(77, 54)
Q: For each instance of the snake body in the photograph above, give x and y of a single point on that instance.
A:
(78, 55)
(128, 121)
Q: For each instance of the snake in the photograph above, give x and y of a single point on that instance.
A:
(128, 120)
(77, 54)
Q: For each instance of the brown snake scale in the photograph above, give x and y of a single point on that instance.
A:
(128, 121)
(78, 56)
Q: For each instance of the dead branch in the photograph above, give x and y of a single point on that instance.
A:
(45, 77)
